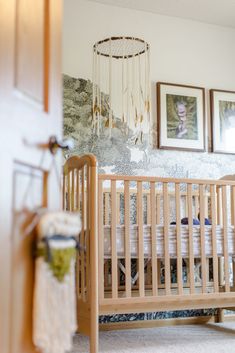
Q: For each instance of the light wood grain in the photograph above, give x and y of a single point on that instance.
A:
(127, 239)
(106, 207)
(202, 235)
(178, 235)
(153, 239)
(214, 243)
(72, 191)
(190, 229)
(88, 228)
(83, 215)
(78, 191)
(140, 239)
(166, 241)
(114, 240)
(25, 117)
(101, 239)
(148, 294)
(158, 208)
(166, 180)
(225, 234)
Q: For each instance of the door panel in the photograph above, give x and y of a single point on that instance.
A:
(28, 185)
(30, 112)
(30, 26)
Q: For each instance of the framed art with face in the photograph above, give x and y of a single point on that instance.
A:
(223, 121)
(181, 117)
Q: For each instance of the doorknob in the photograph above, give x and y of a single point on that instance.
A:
(53, 144)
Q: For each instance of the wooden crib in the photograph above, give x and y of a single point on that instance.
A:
(137, 256)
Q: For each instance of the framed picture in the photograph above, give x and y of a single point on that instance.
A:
(223, 121)
(181, 117)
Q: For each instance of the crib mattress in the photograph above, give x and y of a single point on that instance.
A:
(172, 239)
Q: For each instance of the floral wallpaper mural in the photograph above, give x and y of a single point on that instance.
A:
(122, 154)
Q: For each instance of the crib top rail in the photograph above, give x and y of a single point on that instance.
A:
(217, 182)
(77, 162)
(120, 190)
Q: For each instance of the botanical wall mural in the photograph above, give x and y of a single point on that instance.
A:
(119, 154)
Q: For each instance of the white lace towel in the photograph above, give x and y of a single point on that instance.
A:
(54, 312)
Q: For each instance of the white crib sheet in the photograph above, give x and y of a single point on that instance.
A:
(120, 241)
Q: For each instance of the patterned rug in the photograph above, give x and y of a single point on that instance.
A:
(216, 338)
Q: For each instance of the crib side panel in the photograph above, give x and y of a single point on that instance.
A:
(165, 237)
(80, 191)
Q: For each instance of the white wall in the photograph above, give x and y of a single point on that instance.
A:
(182, 51)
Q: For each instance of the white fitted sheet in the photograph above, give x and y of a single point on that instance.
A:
(172, 239)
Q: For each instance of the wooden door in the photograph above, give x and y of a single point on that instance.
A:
(30, 111)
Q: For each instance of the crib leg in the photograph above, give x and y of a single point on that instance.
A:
(94, 337)
(220, 315)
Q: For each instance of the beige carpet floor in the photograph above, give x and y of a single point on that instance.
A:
(208, 338)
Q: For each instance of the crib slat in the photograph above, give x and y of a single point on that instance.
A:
(72, 192)
(63, 191)
(153, 238)
(78, 190)
(225, 234)
(118, 208)
(214, 243)
(166, 241)
(219, 218)
(78, 263)
(148, 275)
(148, 209)
(69, 191)
(202, 235)
(113, 238)
(106, 275)
(233, 271)
(140, 238)
(78, 269)
(75, 189)
(106, 208)
(83, 239)
(185, 205)
(206, 205)
(87, 211)
(178, 236)
(158, 208)
(190, 230)
(127, 238)
(196, 206)
(232, 191)
(219, 221)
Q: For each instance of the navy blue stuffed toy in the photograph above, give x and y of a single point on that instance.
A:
(196, 222)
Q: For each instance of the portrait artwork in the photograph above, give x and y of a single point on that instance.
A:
(180, 117)
(223, 121)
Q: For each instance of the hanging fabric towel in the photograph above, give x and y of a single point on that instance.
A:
(54, 312)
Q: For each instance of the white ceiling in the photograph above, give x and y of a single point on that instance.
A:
(218, 12)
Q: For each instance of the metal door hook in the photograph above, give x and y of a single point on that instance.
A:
(53, 145)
